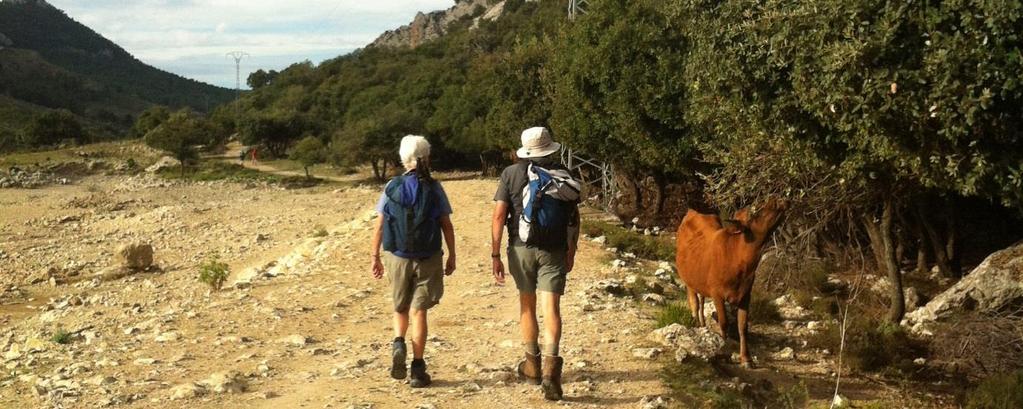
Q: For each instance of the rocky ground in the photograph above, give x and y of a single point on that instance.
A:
(301, 323)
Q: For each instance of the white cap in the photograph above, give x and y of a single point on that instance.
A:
(412, 147)
(537, 143)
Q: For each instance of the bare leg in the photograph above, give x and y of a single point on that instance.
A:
(551, 318)
(418, 333)
(400, 324)
(743, 317)
(719, 307)
(527, 317)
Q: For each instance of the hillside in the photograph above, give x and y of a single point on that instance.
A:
(50, 61)
(429, 26)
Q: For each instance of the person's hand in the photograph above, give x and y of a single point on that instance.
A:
(378, 268)
(569, 261)
(498, 271)
(450, 266)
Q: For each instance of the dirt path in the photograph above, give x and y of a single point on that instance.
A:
(311, 329)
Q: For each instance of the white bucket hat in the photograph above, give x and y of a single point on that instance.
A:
(537, 143)
(412, 147)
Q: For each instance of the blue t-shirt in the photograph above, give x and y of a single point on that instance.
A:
(444, 208)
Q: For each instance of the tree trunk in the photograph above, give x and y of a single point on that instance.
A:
(376, 169)
(921, 257)
(951, 252)
(307, 172)
(935, 240)
(883, 244)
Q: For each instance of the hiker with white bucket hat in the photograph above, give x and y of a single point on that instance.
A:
(537, 200)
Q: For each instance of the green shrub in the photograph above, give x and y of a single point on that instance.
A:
(320, 231)
(214, 272)
(675, 313)
(998, 392)
(648, 247)
(61, 337)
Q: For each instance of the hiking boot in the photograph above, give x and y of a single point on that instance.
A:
(530, 368)
(398, 354)
(420, 379)
(551, 383)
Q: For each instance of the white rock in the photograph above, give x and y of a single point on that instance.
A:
(785, 354)
(995, 284)
(226, 382)
(294, 340)
(167, 337)
(646, 353)
(187, 391)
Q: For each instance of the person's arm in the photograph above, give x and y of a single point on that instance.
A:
(573, 240)
(448, 230)
(496, 233)
(378, 234)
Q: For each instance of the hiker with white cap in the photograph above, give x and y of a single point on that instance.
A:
(414, 215)
(538, 202)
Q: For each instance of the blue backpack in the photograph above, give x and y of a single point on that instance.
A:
(548, 203)
(411, 218)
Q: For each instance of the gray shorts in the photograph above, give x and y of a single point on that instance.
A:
(535, 269)
(418, 284)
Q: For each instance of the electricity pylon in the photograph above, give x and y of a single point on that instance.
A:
(238, 55)
(576, 7)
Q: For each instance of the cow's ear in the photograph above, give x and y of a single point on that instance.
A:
(733, 226)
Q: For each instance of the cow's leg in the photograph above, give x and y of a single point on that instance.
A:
(719, 307)
(743, 317)
(701, 319)
(693, 297)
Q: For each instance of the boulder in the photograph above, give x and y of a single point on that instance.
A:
(134, 256)
(164, 163)
(187, 391)
(687, 342)
(994, 285)
(226, 382)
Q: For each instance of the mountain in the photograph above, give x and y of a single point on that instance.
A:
(50, 61)
(428, 26)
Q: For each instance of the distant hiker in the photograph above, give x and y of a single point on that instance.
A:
(414, 212)
(253, 152)
(538, 200)
(241, 155)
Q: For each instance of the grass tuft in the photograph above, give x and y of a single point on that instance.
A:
(61, 337)
(213, 273)
(675, 313)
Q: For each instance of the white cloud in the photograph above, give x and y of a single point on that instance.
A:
(178, 35)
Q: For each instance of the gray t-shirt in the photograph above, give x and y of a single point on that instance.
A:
(509, 190)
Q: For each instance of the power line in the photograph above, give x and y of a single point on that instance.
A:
(238, 56)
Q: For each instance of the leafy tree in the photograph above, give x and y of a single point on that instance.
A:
(275, 131)
(308, 151)
(149, 120)
(617, 92)
(260, 78)
(179, 135)
(53, 127)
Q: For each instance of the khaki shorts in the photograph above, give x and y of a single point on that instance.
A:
(418, 284)
(535, 269)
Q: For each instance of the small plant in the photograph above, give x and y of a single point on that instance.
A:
(675, 313)
(998, 392)
(320, 231)
(213, 273)
(61, 337)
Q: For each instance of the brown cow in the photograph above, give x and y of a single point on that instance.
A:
(720, 261)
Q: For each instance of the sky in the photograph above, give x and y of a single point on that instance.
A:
(191, 37)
